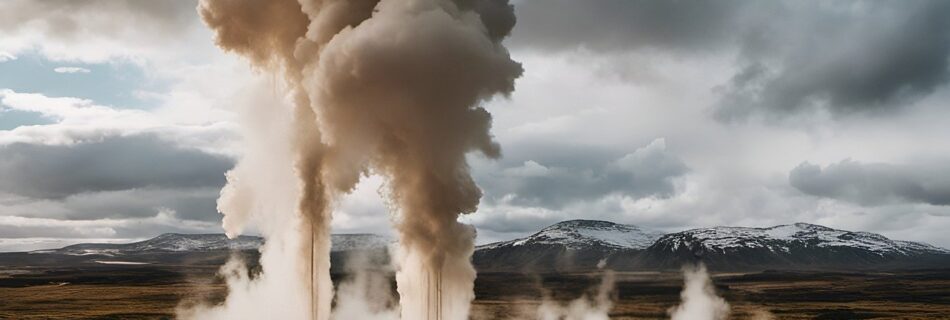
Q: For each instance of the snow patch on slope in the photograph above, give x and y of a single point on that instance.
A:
(780, 238)
(576, 234)
(174, 242)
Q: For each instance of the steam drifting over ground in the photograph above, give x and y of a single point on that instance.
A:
(366, 294)
(390, 87)
(699, 299)
(586, 307)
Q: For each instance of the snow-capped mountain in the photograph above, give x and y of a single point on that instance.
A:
(169, 242)
(168, 249)
(180, 249)
(793, 246)
(784, 238)
(579, 245)
(568, 245)
(176, 242)
(576, 245)
(580, 234)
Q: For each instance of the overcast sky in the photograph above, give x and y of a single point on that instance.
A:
(118, 119)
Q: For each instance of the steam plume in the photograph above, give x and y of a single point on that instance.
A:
(366, 294)
(595, 307)
(699, 299)
(392, 86)
(264, 200)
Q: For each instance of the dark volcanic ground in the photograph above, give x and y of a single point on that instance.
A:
(153, 292)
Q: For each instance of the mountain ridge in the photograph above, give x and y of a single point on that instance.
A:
(567, 246)
(207, 242)
(788, 246)
(587, 232)
(807, 233)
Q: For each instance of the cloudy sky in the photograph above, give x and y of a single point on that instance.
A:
(118, 119)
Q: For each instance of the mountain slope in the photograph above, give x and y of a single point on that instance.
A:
(581, 245)
(176, 242)
(569, 246)
(565, 246)
(174, 248)
(169, 242)
(794, 246)
(579, 234)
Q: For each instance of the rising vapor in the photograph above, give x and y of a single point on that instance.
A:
(596, 307)
(699, 299)
(391, 87)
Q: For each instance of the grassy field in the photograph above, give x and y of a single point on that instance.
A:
(148, 292)
(780, 295)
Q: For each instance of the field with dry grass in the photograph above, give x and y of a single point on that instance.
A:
(151, 292)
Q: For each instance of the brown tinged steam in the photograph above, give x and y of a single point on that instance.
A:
(393, 87)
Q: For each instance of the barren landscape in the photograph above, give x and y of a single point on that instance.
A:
(154, 292)
(474, 159)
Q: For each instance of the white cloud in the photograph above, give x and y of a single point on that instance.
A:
(22, 233)
(565, 109)
(79, 120)
(71, 70)
(530, 168)
(122, 211)
(75, 111)
(583, 107)
(101, 30)
(363, 210)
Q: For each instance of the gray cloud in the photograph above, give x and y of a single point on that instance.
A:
(99, 30)
(872, 184)
(617, 25)
(116, 214)
(111, 164)
(846, 58)
(867, 60)
(157, 223)
(185, 203)
(559, 180)
(69, 19)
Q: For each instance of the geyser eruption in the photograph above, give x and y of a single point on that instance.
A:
(392, 86)
(699, 299)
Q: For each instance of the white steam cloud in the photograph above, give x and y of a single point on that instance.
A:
(367, 294)
(699, 299)
(596, 307)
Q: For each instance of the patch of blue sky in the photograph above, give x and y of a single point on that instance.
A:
(10, 119)
(117, 84)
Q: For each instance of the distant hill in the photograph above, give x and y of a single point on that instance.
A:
(794, 246)
(569, 246)
(177, 249)
(580, 245)
(177, 242)
(169, 242)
